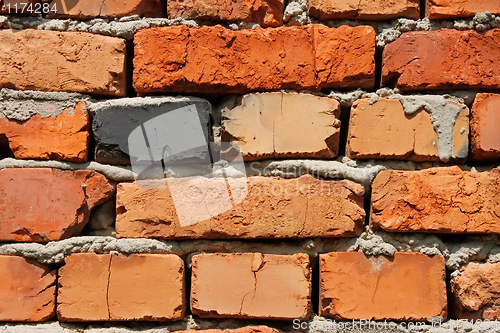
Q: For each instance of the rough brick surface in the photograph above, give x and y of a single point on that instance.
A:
(118, 287)
(108, 8)
(440, 9)
(485, 122)
(268, 13)
(43, 204)
(65, 61)
(27, 290)
(201, 59)
(475, 291)
(382, 130)
(251, 285)
(273, 208)
(410, 286)
(363, 9)
(440, 200)
(442, 59)
(64, 137)
(283, 125)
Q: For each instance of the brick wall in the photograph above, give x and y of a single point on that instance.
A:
(252, 166)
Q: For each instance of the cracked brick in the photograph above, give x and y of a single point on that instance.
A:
(409, 286)
(437, 200)
(251, 285)
(117, 287)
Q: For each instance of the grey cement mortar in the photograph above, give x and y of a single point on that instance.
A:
(21, 105)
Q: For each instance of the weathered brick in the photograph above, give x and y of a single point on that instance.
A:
(274, 208)
(363, 9)
(383, 130)
(269, 125)
(65, 61)
(107, 9)
(201, 59)
(43, 204)
(63, 137)
(268, 13)
(114, 121)
(251, 285)
(442, 59)
(27, 290)
(485, 122)
(410, 286)
(439, 200)
(441, 9)
(118, 287)
(474, 293)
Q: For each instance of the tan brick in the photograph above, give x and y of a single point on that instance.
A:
(410, 286)
(273, 208)
(474, 293)
(118, 287)
(65, 61)
(63, 137)
(485, 122)
(441, 9)
(363, 9)
(27, 290)
(439, 200)
(107, 9)
(442, 59)
(251, 285)
(201, 59)
(382, 130)
(283, 125)
(43, 204)
(268, 13)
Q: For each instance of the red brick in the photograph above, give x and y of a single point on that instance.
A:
(251, 285)
(64, 137)
(121, 288)
(65, 61)
(43, 204)
(201, 59)
(397, 135)
(273, 208)
(283, 125)
(439, 200)
(268, 13)
(442, 59)
(474, 293)
(485, 122)
(27, 290)
(441, 9)
(410, 286)
(107, 9)
(363, 9)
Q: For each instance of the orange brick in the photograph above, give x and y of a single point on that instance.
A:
(107, 9)
(441, 9)
(442, 59)
(485, 122)
(474, 293)
(118, 287)
(268, 13)
(65, 61)
(43, 204)
(363, 9)
(201, 59)
(251, 285)
(64, 137)
(27, 290)
(439, 200)
(410, 286)
(273, 208)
